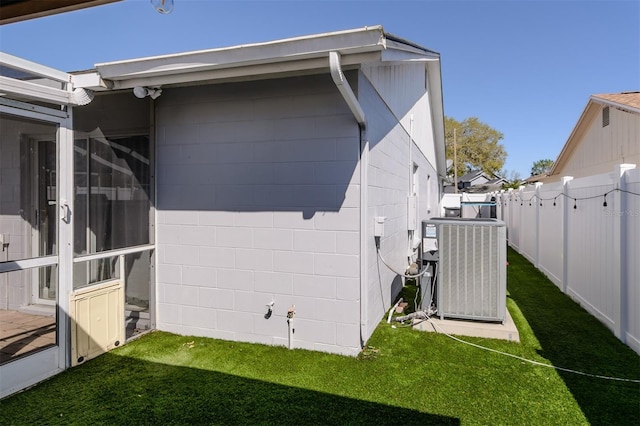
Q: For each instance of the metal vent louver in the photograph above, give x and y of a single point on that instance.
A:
(472, 272)
(605, 116)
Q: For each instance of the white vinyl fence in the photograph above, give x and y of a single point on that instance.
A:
(584, 234)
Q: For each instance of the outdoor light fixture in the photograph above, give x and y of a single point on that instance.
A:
(142, 92)
(163, 6)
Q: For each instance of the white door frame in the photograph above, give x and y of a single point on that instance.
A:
(36, 233)
(34, 368)
(24, 372)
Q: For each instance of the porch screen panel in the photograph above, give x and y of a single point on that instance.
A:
(28, 188)
(112, 193)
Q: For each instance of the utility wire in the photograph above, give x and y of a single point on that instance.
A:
(423, 316)
(562, 194)
(541, 364)
(400, 273)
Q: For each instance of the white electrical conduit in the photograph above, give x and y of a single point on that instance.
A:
(423, 316)
(410, 155)
(541, 364)
(290, 314)
(411, 187)
(392, 310)
(424, 270)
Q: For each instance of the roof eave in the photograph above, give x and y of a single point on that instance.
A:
(588, 112)
(625, 107)
(368, 39)
(22, 10)
(300, 54)
(434, 76)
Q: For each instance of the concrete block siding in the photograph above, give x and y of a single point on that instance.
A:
(388, 184)
(257, 201)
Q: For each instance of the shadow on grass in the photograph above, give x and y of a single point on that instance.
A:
(139, 392)
(572, 338)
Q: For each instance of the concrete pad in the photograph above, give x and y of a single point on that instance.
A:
(506, 331)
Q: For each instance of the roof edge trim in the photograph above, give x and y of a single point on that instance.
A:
(353, 45)
(625, 107)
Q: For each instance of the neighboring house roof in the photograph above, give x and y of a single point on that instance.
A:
(483, 188)
(626, 101)
(496, 181)
(477, 181)
(471, 176)
(479, 175)
(535, 178)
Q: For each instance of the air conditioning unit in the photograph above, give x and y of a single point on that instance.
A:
(472, 259)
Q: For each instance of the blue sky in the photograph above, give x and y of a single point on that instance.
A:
(525, 68)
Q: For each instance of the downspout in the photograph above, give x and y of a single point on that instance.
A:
(350, 98)
(345, 90)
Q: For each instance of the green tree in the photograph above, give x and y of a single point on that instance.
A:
(514, 180)
(541, 167)
(477, 146)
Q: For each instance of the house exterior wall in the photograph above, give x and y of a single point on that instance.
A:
(405, 90)
(601, 148)
(258, 201)
(389, 180)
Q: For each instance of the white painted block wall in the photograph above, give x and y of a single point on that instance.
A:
(388, 184)
(258, 200)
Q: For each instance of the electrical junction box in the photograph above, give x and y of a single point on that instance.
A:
(429, 238)
(378, 226)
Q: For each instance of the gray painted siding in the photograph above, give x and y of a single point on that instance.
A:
(258, 200)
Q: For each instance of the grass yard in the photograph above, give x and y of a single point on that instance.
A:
(403, 377)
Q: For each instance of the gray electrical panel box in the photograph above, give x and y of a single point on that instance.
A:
(472, 259)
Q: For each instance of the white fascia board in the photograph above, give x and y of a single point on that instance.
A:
(345, 42)
(396, 46)
(404, 56)
(247, 72)
(437, 111)
(91, 80)
(33, 68)
(35, 91)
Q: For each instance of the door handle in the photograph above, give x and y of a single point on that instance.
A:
(66, 211)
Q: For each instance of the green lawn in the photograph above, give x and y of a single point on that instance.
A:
(404, 377)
